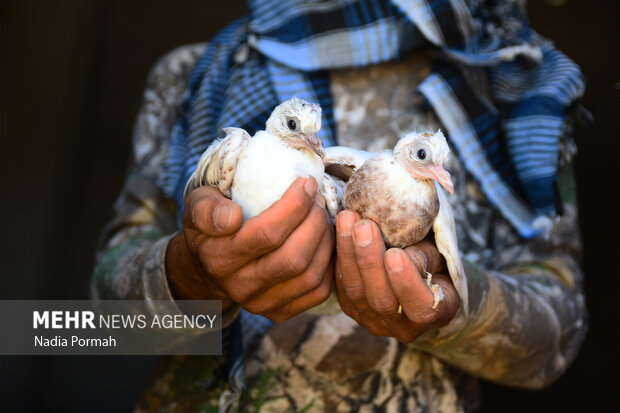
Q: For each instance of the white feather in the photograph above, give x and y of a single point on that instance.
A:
(447, 244)
(265, 170)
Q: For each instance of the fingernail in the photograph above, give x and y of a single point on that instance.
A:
(310, 186)
(362, 233)
(222, 217)
(345, 222)
(394, 260)
(420, 257)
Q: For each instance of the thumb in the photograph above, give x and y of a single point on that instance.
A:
(210, 212)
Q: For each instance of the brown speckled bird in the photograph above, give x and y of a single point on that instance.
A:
(399, 191)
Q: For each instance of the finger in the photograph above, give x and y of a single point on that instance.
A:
(308, 300)
(279, 297)
(345, 303)
(361, 311)
(268, 231)
(373, 322)
(409, 287)
(369, 251)
(233, 257)
(211, 213)
(297, 252)
(352, 284)
(426, 256)
(301, 261)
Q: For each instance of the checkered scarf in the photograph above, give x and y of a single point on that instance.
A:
(500, 90)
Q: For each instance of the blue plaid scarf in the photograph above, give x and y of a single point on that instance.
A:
(500, 90)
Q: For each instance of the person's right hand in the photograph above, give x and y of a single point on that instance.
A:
(276, 264)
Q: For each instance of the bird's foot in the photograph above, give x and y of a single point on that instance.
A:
(438, 295)
(429, 278)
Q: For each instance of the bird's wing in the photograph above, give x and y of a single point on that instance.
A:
(333, 192)
(216, 166)
(445, 238)
(341, 161)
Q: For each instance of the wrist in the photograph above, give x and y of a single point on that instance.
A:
(187, 278)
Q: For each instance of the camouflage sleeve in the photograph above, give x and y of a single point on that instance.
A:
(130, 260)
(527, 312)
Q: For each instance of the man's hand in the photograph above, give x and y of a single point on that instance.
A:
(371, 282)
(276, 264)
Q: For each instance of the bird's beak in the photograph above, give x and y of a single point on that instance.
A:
(315, 144)
(443, 177)
(439, 174)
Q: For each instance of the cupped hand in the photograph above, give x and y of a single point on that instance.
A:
(276, 264)
(371, 282)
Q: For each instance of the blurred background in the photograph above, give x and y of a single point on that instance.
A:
(72, 76)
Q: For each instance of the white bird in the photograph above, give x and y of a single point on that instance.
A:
(255, 172)
(399, 190)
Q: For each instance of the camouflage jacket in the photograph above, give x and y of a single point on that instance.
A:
(527, 313)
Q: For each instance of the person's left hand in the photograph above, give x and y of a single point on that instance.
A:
(371, 282)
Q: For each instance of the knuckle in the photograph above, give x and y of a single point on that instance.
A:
(324, 291)
(382, 305)
(235, 296)
(270, 237)
(239, 295)
(297, 202)
(407, 337)
(281, 312)
(213, 269)
(193, 240)
(255, 307)
(270, 308)
(213, 265)
(312, 280)
(348, 310)
(375, 329)
(278, 316)
(367, 264)
(355, 292)
(295, 264)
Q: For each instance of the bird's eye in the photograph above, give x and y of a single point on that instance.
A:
(292, 125)
(421, 154)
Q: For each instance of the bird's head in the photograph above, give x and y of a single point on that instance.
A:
(423, 155)
(297, 122)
